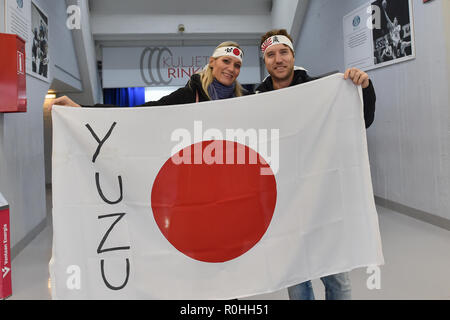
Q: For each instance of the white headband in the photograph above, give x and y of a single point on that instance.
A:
(278, 39)
(229, 51)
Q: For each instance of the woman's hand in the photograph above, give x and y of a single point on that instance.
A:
(65, 101)
(359, 77)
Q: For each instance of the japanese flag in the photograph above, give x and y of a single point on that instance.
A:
(215, 200)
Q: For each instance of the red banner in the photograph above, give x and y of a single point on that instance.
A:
(5, 254)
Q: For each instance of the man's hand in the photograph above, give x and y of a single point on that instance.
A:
(65, 101)
(359, 77)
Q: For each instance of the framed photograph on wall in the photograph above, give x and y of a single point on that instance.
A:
(39, 43)
(383, 36)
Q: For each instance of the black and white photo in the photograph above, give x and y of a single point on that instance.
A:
(39, 43)
(378, 34)
(394, 39)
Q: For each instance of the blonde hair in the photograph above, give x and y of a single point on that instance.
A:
(206, 76)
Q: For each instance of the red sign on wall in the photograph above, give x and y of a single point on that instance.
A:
(13, 86)
(5, 253)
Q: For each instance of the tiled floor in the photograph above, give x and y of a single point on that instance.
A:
(417, 257)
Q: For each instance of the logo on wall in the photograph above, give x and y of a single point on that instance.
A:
(5, 271)
(159, 66)
(356, 21)
(147, 72)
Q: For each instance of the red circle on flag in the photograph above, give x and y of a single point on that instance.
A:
(211, 206)
(236, 52)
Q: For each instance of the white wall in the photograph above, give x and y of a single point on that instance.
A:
(289, 15)
(86, 56)
(2, 15)
(409, 142)
(22, 178)
(122, 67)
(167, 24)
(283, 14)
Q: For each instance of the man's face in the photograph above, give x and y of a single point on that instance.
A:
(279, 61)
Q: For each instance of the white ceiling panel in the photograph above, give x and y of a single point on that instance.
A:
(181, 7)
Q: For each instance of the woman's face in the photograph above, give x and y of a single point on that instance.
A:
(225, 69)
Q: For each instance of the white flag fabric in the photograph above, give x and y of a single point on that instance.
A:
(134, 218)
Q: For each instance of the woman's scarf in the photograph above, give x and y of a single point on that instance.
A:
(218, 91)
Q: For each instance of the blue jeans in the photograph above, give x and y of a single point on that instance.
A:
(337, 287)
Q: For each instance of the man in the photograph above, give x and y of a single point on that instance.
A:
(279, 58)
(34, 50)
(388, 53)
(394, 31)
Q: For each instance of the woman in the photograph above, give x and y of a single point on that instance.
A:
(216, 81)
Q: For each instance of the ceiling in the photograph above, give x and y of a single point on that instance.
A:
(182, 7)
(150, 22)
(138, 23)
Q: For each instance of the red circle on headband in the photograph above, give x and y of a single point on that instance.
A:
(236, 52)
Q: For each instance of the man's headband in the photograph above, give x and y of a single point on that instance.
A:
(278, 39)
(229, 51)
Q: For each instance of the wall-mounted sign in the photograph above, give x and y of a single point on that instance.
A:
(166, 66)
(5, 250)
(26, 19)
(39, 43)
(378, 34)
(18, 16)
